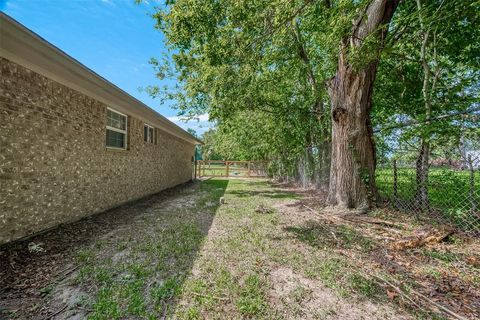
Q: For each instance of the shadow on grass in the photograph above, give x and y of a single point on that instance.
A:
(267, 194)
(321, 235)
(163, 246)
(336, 272)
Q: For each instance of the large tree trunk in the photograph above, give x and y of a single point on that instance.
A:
(352, 173)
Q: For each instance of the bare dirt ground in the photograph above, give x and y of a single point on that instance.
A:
(270, 252)
(46, 276)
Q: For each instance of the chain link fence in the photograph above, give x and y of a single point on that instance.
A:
(448, 189)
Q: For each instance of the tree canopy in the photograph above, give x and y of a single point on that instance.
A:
(263, 70)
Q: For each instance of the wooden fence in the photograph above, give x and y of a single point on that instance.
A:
(220, 168)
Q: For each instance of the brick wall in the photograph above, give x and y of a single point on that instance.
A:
(54, 166)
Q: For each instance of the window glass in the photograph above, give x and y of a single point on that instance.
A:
(115, 139)
(148, 133)
(116, 120)
(116, 131)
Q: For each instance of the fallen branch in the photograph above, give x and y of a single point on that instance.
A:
(363, 220)
(312, 210)
(56, 313)
(65, 273)
(426, 237)
(397, 289)
(420, 295)
(436, 304)
(85, 309)
(165, 310)
(373, 221)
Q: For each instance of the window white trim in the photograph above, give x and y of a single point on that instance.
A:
(125, 132)
(116, 129)
(123, 114)
(148, 133)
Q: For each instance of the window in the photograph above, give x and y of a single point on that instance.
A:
(116, 129)
(148, 133)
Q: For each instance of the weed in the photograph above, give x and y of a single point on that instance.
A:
(251, 300)
(133, 293)
(192, 313)
(84, 256)
(100, 244)
(300, 293)
(364, 286)
(103, 276)
(169, 289)
(106, 306)
(46, 290)
(139, 270)
(121, 246)
(352, 238)
(320, 236)
(84, 274)
(431, 271)
(443, 256)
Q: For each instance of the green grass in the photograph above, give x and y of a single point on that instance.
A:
(448, 190)
(158, 253)
(365, 286)
(168, 269)
(220, 170)
(234, 272)
(321, 236)
(441, 255)
(252, 299)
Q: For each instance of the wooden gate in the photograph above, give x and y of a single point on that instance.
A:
(221, 168)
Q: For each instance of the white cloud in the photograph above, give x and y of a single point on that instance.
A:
(178, 119)
(200, 123)
(110, 2)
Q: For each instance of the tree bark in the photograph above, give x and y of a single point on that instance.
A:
(352, 173)
(324, 164)
(471, 192)
(422, 166)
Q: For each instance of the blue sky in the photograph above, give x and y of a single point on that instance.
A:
(115, 38)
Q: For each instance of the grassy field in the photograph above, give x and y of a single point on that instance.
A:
(215, 170)
(448, 190)
(220, 170)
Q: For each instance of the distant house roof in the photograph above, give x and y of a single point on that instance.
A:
(24, 47)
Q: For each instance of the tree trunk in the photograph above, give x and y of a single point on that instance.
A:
(471, 193)
(352, 173)
(421, 195)
(324, 164)
(422, 163)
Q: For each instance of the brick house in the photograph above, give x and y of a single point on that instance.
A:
(71, 143)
